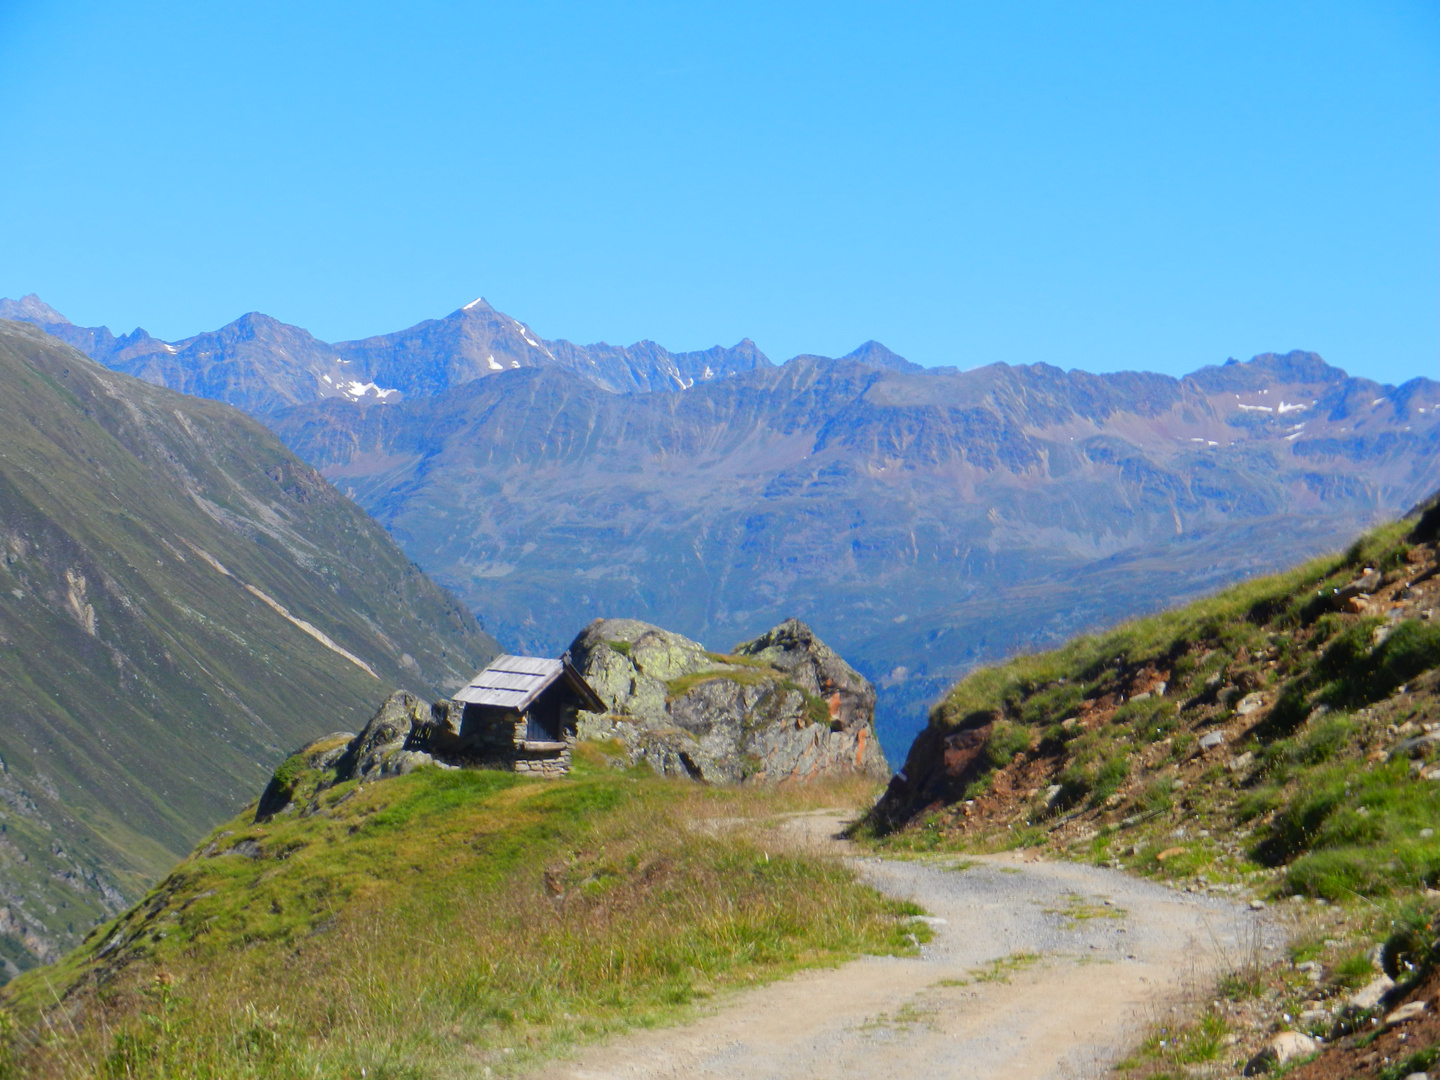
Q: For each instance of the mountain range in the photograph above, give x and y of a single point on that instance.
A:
(182, 602)
(261, 365)
(921, 519)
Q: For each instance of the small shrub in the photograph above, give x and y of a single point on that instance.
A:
(1413, 647)
(1411, 944)
(1354, 970)
(1158, 796)
(1111, 773)
(1258, 802)
(1056, 737)
(1242, 984)
(1052, 704)
(1329, 736)
(1138, 715)
(1004, 742)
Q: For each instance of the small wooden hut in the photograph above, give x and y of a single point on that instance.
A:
(520, 713)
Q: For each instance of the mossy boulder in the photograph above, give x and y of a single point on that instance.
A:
(783, 707)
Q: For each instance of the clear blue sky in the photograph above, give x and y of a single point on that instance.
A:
(1096, 185)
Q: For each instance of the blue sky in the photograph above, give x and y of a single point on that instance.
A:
(1100, 186)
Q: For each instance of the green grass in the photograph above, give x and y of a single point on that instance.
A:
(748, 671)
(1077, 909)
(750, 676)
(1178, 1046)
(1000, 970)
(1354, 970)
(1005, 741)
(1050, 684)
(429, 921)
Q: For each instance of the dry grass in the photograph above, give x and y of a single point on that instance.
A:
(439, 924)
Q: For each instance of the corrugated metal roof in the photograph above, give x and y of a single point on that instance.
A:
(511, 682)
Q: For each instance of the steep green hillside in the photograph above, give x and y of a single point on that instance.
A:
(182, 601)
(1278, 741)
(1299, 710)
(441, 923)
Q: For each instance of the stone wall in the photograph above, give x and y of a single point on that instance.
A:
(553, 763)
(498, 740)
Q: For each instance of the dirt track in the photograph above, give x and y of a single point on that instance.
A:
(1030, 974)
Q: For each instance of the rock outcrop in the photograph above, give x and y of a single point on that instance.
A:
(781, 708)
(396, 741)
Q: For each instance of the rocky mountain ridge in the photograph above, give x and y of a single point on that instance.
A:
(921, 521)
(180, 596)
(261, 365)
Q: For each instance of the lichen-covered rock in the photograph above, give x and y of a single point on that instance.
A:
(817, 669)
(322, 754)
(391, 745)
(783, 707)
(379, 748)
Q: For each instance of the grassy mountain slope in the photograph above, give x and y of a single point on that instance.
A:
(181, 602)
(442, 923)
(1280, 739)
(1239, 711)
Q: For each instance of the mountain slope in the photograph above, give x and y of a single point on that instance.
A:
(1279, 738)
(181, 602)
(923, 520)
(444, 923)
(920, 521)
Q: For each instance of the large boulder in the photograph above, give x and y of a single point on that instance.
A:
(784, 707)
(386, 747)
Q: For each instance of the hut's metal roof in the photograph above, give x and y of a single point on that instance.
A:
(514, 682)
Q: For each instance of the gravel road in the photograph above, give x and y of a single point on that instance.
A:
(1037, 969)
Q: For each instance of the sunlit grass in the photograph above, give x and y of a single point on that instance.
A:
(447, 921)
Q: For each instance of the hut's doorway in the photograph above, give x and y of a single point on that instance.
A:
(545, 722)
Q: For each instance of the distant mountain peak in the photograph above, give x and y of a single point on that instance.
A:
(31, 309)
(872, 354)
(877, 355)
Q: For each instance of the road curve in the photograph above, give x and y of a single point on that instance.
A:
(1038, 970)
